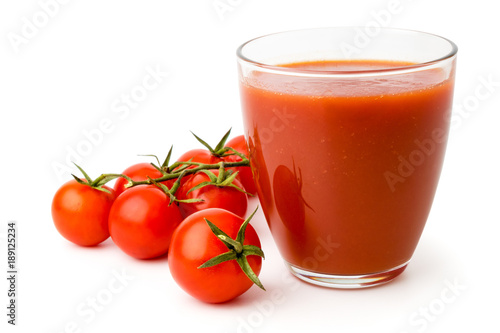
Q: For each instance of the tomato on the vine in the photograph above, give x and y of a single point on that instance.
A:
(199, 156)
(139, 172)
(195, 259)
(141, 221)
(206, 156)
(213, 196)
(244, 173)
(80, 212)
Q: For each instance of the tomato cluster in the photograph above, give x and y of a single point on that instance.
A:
(181, 210)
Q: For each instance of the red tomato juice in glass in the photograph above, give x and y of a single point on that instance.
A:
(347, 170)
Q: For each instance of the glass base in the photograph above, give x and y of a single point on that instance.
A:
(346, 281)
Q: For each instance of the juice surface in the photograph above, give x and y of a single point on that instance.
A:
(346, 169)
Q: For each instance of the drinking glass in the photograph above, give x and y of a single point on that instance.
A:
(347, 131)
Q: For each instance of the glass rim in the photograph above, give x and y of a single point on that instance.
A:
(336, 73)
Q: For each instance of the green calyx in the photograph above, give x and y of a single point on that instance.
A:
(236, 250)
(220, 150)
(99, 182)
(170, 192)
(225, 178)
(163, 167)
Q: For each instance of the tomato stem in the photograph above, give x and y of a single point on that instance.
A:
(199, 167)
(178, 169)
(219, 149)
(237, 251)
(231, 244)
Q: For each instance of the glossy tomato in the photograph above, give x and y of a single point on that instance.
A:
(200, 156)
(213, 196)
(194, 243)
(197, 155)
(141, 221)
(138, 172)
(244, 173)
(80, 213)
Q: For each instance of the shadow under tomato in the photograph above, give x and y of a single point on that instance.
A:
(251, 296)
(108, 243)
(158, 261)
(161, 258)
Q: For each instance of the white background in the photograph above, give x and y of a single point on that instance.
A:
(68, 75)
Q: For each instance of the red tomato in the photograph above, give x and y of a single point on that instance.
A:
(141, 222)
(200, 156)
(138, 172)
(193, 243)
(213, 196)
(80, 213)
(245, 173)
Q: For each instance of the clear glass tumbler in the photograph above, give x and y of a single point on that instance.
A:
(347, 132)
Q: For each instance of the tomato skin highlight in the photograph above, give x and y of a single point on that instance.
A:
(227, 198)
(193, 243)
(80, 213)
(141, 222)
(244, 173)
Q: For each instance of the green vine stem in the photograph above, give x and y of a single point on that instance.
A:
(182, 170)
(175, 171)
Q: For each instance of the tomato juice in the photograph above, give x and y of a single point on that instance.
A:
(346, 169)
